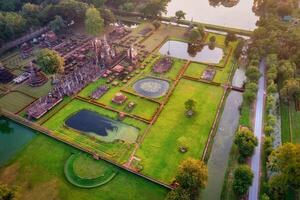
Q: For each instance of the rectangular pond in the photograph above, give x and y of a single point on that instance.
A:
(13, 137)
(103, 128)
(179, 50)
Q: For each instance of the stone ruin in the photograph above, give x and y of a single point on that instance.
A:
(163, 65)
(5, 75)
(67, 85)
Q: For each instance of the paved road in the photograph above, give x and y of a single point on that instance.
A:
(258, 132)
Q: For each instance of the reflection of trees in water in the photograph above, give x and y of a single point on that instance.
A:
(4, 127)
(225, 3)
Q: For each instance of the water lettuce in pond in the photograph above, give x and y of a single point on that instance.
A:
(103, 128)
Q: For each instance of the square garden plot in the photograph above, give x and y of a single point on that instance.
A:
(117, 150)
(159, 152)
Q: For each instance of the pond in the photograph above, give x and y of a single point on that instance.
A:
(151, 87)
(239, 14)
(13, 137)
(103, 128)
(179, 49)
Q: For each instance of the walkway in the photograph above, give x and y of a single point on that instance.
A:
(258, 132)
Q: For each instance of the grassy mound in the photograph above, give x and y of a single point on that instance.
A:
(83, 171)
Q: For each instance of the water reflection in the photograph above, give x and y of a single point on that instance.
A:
(5, 127)
(230, 13)
(225, 3)
(182, 50)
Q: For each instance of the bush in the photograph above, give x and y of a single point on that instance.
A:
(246, 142)
(242, 180)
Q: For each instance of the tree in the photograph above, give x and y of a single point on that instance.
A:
(183, 144)
(178, 194)
(50, 61)
(290, 89)
(154, 8)
(246, 142)
(192, 176)
(212, 42)
(190, 105)
(71, 10)
(31, 13)
(230, 37)
(93, 23)
(243, 177)
(57, 24)
(253, 73)
(250, 91)
(286, 163)
(286, 70)
(7, 193)
(180, 15)
(108, 16)
(194, 35)
(201, 30)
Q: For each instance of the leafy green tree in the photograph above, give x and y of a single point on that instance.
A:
(253, 73)
(286, 70)
(178, 194)
(212, 42)
(154, 8)
(108, 16)
(31, 13)
(190, 105)
(180, 15)
(57, 24)
(93, 23)
(246, 142)
(285, 161)
(243, 177)
(250, 91)
(230, 37)
(201, 30)
(71, 10)
(290, 89)
(194, 35)
(192, 176)
(183, 144)
(50, 61)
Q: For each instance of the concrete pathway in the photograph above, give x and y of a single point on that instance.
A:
(258, 132)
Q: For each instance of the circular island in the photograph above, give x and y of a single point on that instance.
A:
(83, 171)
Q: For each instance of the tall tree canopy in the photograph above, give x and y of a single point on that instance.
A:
(50, 61)
(94, 24)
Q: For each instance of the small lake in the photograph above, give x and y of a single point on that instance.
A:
(103, 128)
(179, 49)
(237, 15)
(151, 87)
(13, 137)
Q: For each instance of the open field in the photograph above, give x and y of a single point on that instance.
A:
(39, 167)
(159, 151)
(15, 101)
(116, 151)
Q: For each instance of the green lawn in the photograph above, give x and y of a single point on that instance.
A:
(15, 101)
(295, 121)
(38, 170)
(245, 115)
(195, 70)
(117, 151)
(36, 91)
(159, 151)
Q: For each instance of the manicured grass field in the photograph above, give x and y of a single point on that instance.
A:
(159, 151)
(15, 101)
(117, 151)
(36, 91)
(195, 70)
(39, 171)
(177, 66)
